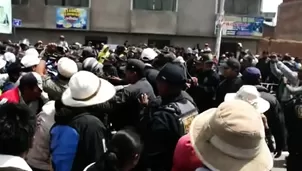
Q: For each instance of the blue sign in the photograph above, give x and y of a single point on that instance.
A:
(71, 18)
(242, 26)
(17, 22)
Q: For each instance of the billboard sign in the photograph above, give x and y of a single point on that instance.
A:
(5, 16)
(242, 26)
(71, 18)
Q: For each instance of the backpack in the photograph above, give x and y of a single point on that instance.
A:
(184, 114)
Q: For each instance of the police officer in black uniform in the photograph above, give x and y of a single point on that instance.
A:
(167, 119)
(294, 129)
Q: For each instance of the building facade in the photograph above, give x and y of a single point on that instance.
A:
(289, 20)
(173, 22)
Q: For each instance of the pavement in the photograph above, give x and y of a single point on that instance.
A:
(279, 163)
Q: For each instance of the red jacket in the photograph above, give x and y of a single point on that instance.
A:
(185, 158)
(11, 95)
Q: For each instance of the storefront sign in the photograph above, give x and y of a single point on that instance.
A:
(5, 16)
(71, 18)
(17, 22)
(242, 26)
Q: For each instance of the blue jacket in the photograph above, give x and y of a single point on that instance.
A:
(76, 140)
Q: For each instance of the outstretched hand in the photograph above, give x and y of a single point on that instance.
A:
(144, 99)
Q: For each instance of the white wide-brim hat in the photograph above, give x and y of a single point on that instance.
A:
(215, 153)
(251, 95)
(86, 89)
(262, 105)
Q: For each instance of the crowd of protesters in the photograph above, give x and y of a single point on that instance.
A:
(73, 108)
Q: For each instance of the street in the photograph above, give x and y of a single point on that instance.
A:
(279, 163)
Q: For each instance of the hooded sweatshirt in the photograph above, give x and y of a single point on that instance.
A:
(39, 156)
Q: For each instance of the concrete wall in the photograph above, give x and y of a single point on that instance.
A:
(193, 22)
(268, 31)
(281, 46)
(193, 17)
(110, 15)
(196, 17)
(153, 22)
(289, 21)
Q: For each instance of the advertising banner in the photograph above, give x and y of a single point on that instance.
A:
(242, 26)
(6, 16)
(71, 18)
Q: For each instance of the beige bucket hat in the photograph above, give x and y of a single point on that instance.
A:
(231, 138)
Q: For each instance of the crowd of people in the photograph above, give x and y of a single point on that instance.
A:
(93, 108)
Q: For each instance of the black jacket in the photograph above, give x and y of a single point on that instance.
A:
(204, 93)
(110, 70)
(275, 118)
(77, 139)
(151, 74)
(227, 86)
(160, 131)
(124, 108)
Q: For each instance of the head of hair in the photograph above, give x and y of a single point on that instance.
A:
(124, 147)
(287, 57)
(22, 87)
(28, 69)
(61, 77)
(17, 125)
(14, 71)
(251, 81)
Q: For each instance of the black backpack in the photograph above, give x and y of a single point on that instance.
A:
(184, 113)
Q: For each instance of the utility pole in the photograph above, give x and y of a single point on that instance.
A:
(219, 22)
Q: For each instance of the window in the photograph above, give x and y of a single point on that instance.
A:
(157, 5)
(19, 2)
(71, 3)
(242, 7)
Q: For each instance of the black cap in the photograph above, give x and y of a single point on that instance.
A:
(233, 64)
(136, 65)
(173, 73)
(31, 79)
(14, 68)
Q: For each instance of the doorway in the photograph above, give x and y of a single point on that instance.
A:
(230, 47)
(158, 43)
(96, 40)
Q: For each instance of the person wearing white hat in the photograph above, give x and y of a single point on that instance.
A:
(148, 55)
(32, 51)
(56, 86)
(78, 138)
(30, 62)
(249, 94)
(231, 138)
(9, 57)
(275, 116)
